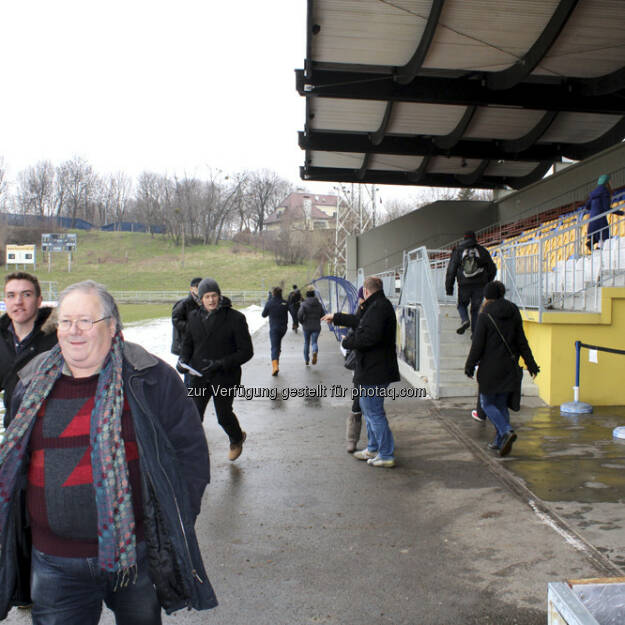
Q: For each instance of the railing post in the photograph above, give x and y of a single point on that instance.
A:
(541, 299)
(578, 349)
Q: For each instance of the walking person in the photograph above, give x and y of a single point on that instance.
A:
(374, 339)
(598, 203)
(498, 341)
(180, 315)
(309, 315)
(472, 266)
(26, 329)
(217, 342)
(293, 300)
(277, 311)
(96, 407)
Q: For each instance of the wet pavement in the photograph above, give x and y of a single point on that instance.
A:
(298, 532)
(572, 463)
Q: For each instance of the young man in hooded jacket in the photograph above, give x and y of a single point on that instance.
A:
(472, 266)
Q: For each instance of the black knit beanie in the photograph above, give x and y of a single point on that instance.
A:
(208, 285)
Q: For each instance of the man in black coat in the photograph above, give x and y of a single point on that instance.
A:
(472, 266)
(498, 341)
(25, 330)
(217, 342)
(374, 340)
(293, 301)
(180, 315)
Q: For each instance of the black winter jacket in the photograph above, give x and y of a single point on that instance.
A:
(374, 340)
(454, 268)
(278, 312)
(223, 335)
(179, 318)
(310, 313)
(42, 339)
(174, 462)
(497, 371)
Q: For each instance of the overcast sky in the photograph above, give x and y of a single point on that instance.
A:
(171, 87)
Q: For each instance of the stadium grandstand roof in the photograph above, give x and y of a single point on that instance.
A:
(457, 93)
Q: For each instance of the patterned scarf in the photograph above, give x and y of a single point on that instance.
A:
(116, 523)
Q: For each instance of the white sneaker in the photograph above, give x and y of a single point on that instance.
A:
(365, 454)
(379, 462)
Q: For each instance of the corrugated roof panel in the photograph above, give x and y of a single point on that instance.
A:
(490, 122)
(349, 160)
(578, 127)
(346, 115)
(591, 44)
(510, 168)
(453, 165)
(391, 162)
(424, 119)
(368, 31)
(485, 34)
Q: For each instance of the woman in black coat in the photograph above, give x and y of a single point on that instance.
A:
(278, 312)
(498, 341)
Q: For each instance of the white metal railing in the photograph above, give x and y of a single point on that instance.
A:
(560, 270)
(166, 297)
(419, 288)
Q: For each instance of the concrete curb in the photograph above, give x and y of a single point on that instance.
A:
(540, 508)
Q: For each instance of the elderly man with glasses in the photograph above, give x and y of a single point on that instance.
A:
(111, 458)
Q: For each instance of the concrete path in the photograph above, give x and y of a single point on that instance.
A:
(298, 532)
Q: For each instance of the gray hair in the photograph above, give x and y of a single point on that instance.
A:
(109, 307)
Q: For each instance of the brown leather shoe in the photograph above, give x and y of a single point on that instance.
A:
(314, 358)
(275, 367)
(236, 448)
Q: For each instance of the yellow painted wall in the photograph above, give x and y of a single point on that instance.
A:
(553, 345)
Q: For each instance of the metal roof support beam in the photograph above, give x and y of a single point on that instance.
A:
(602, 84)
(526, 65)
(362, 172)
(533, 176)
(468, 180)
(377, 136)
(424, 146)
(375, 176)
(525, 142)
(404, 75)
(448, 141)
(416, 176)
(581, 151)
(458, 91)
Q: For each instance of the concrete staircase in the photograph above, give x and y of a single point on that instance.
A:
(454, 349)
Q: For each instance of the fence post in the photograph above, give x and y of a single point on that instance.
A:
(576, 406)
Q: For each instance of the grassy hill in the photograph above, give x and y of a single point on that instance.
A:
(125, 261)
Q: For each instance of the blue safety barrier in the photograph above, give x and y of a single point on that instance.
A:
(337, 295)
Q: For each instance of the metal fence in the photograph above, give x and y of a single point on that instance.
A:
(238, 298)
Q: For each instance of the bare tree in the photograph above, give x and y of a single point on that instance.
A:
(35, 189)
(155, 203)
(396, 208)
(115, 196)
(3, 183)
(265, 190)
(76, 180)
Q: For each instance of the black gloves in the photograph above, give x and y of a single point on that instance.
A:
(535, 370)
(469, 371)
(450, 293)
(180, 366)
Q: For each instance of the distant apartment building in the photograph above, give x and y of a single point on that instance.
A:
(304, 211)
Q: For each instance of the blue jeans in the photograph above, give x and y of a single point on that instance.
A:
(275, 338)
(70, 591)
(496, 408)
(310, 336)
(379, 435)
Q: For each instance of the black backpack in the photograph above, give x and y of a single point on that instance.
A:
(470, 263)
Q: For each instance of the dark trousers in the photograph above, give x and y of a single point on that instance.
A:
(470, 294)
(203, 391)
(275, 338)
(294, 309)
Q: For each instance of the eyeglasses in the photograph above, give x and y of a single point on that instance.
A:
(84, 325)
